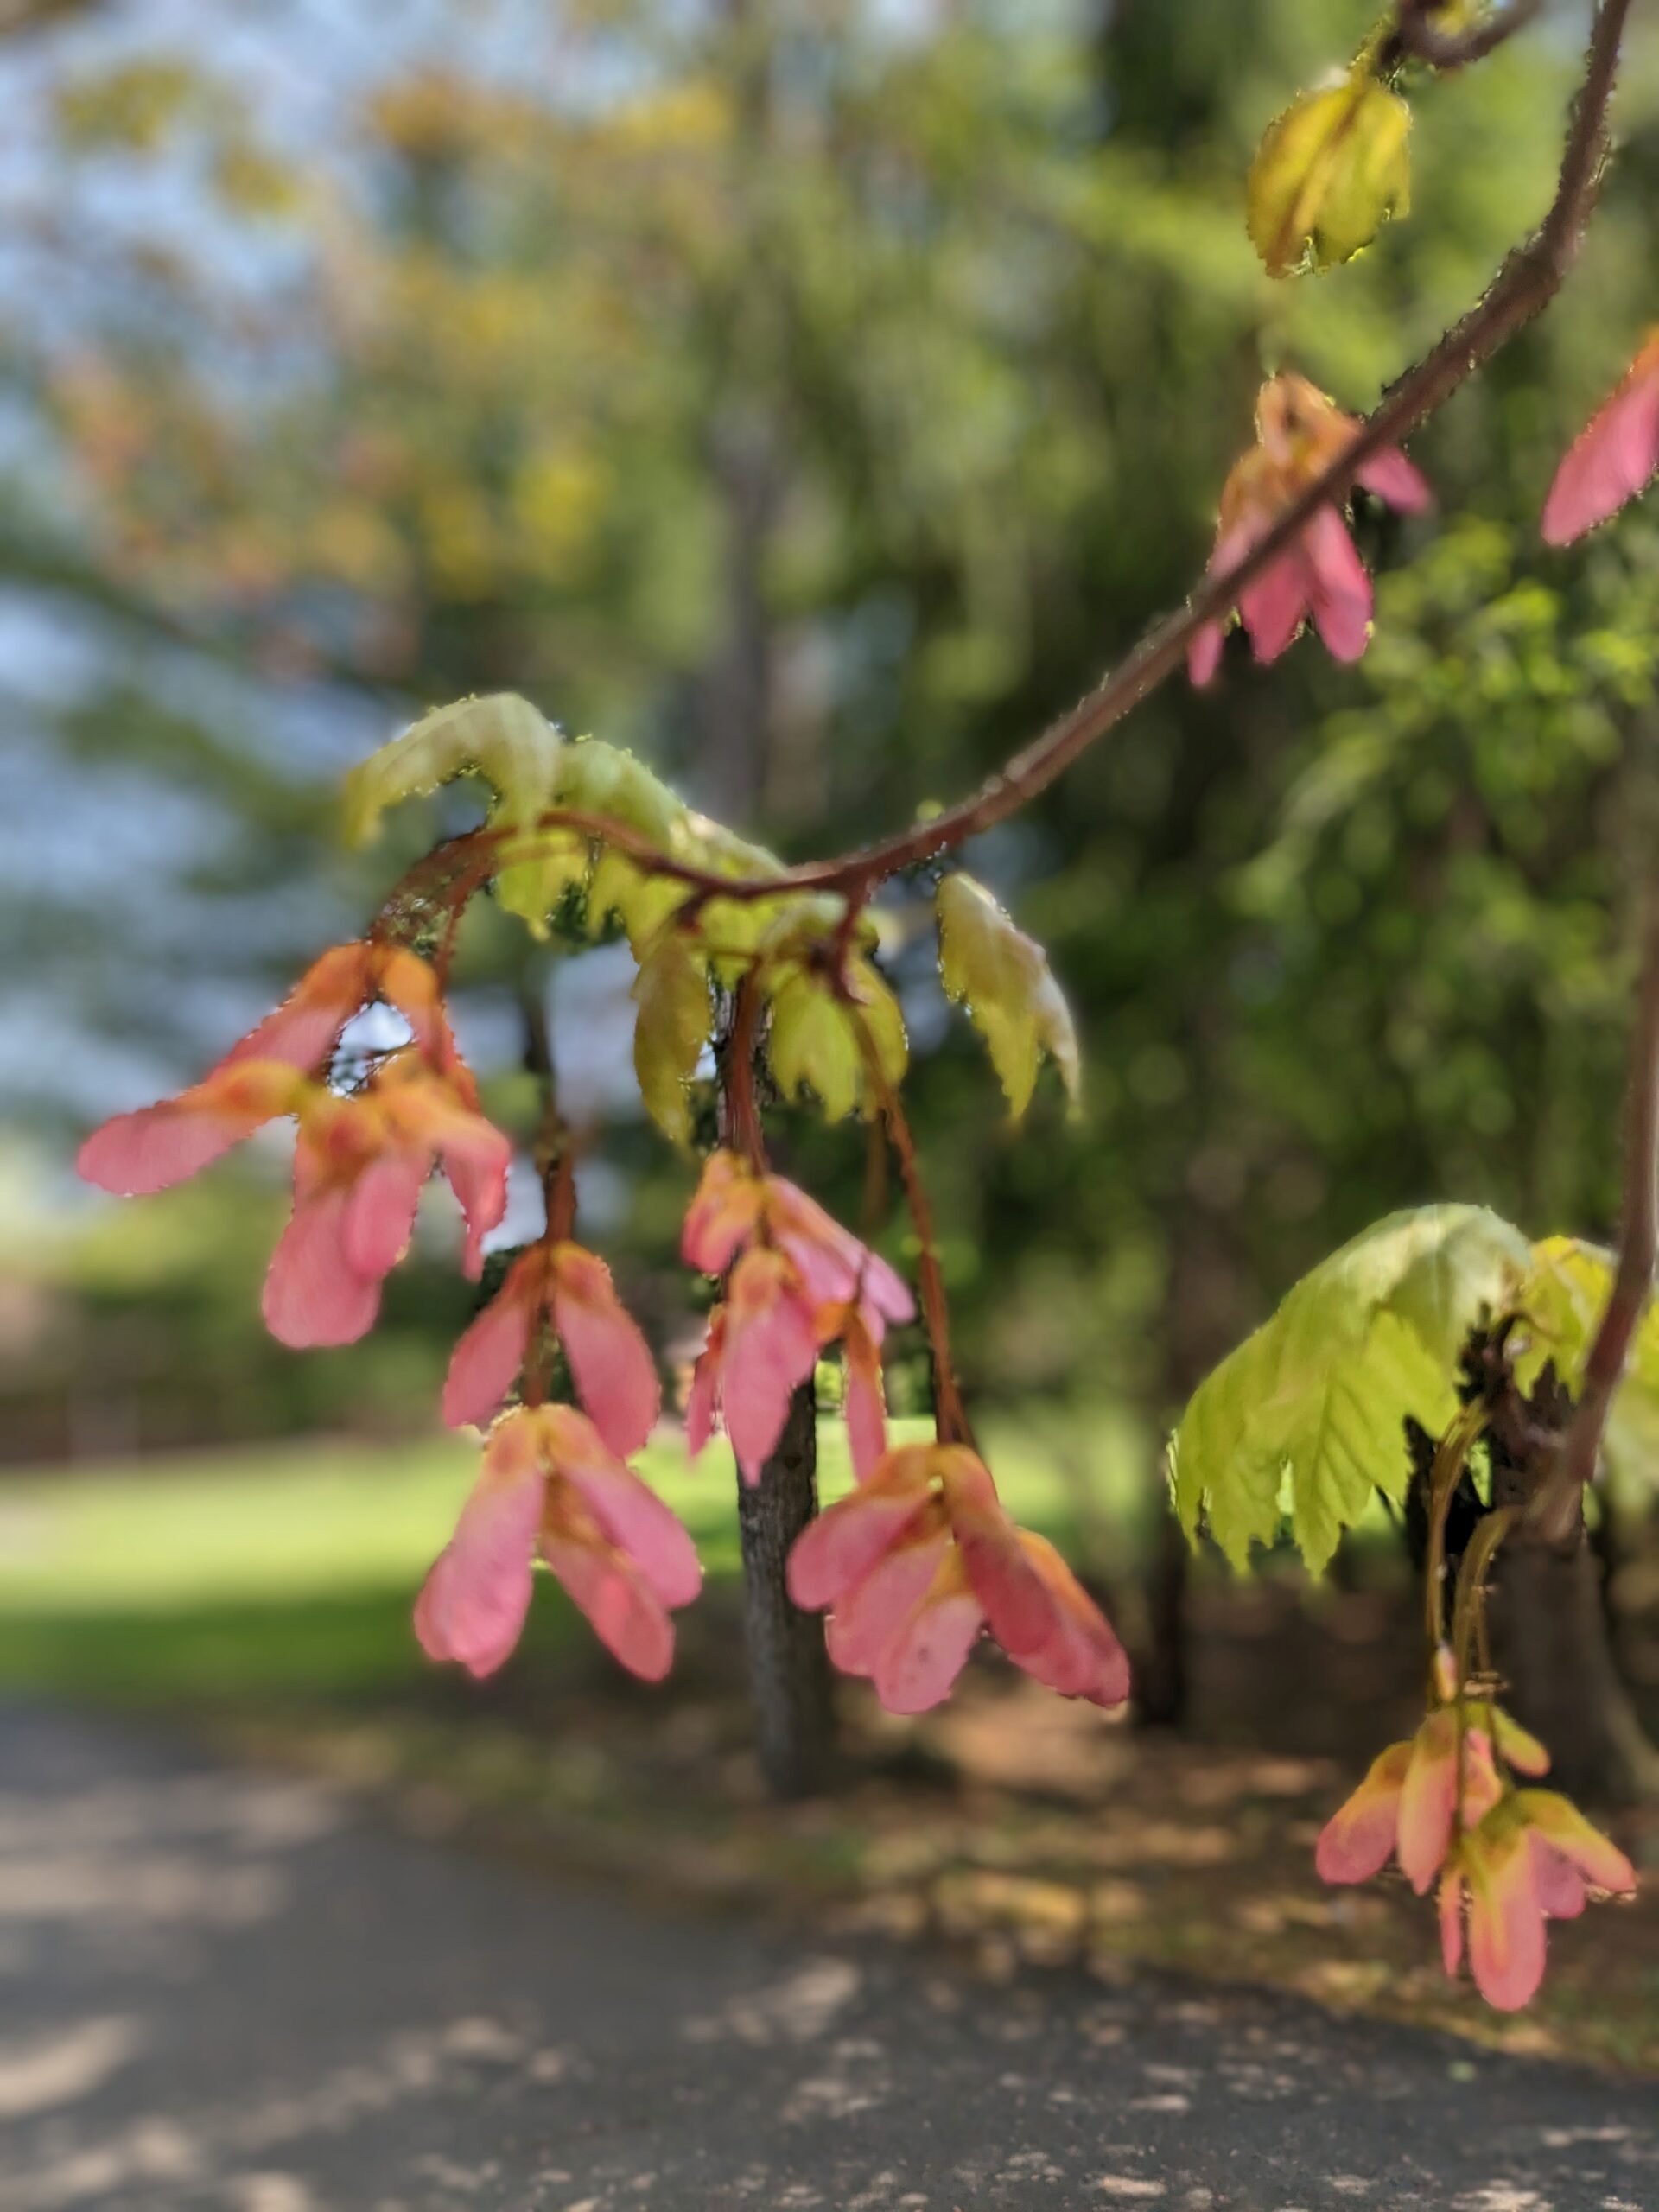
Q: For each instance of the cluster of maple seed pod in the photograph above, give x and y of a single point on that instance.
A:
(1510, 1858)
(915, 1563)
(921, 1558)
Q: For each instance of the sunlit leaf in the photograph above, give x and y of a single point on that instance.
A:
(606, 779)
(1002, 977)
(642, 902)
(1564, 1300)
(671, 1029)
(794, 926)
(255, 181)
(1303, 1421)
(133, 105)
(816, 1043)
(503, 739)
(1329, 173)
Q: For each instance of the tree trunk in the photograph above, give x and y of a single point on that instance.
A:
(1201, 1323)
(1552, 1648)
(1161, 1677)
(789, 1668)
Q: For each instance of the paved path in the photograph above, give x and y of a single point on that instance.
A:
(228, 1990)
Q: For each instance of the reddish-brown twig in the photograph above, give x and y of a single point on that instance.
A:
(1524, 285)
(1555, 1512)
(950, 1416)
(743, 1131)
(1416, 33)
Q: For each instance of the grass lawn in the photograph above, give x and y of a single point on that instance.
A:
(290, 1570)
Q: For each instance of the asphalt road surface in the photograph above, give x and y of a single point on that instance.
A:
(234, 1990)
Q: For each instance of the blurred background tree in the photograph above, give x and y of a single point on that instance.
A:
(813, 395)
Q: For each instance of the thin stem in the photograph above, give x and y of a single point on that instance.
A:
(857, 896)
(559, 1187)
(1468, 1610)
(743, 1113)
(873, 1206)
(1451, 1457)
(469, 860)
(552, 1152)
(1556, 1513)
(1469, 1602)
(951, 1418)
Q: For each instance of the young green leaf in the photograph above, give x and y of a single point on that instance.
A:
(672, 1026)
(502, 739)
(1563, 1302)
(1303, 1421)
(815, 1041)
(604, 781)
(596, 777)
(1002, 977)
(1329, 173)
(642, 902)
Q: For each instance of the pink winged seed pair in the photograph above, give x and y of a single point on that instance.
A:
(360, 1161)
(1509, 1859)
(916, 1563)
(1319, 576)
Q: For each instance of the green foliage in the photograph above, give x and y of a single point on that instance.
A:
(516, 750)
(612, 401)
(1565, 1298)
(671, 1031)
(1002, 977)
(1303, 1421)
(820, 1041)
(1441, 915)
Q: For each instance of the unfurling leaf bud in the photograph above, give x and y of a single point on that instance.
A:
(1329, 173)
(1002, 977)
(674, 1022)
(515, 749)
(819, 1043)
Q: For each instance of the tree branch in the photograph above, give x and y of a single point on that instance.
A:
(1416, 35)
(1555, 1513)
(1524, 285)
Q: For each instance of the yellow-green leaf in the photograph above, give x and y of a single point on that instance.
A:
(603, 779)
(1002, 977)
(670, 1030)
(733, 929)
(795, 926)
(641, 901)
(722, 849)
(815, 1040)
(813, 1046)
(606, 779)
(884, 1020)
(1563, 1302)
(1303, 1421)
(503, 739)
(1329, 173)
